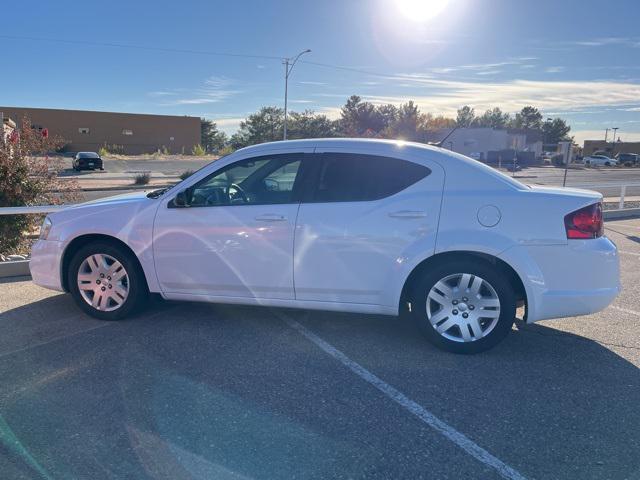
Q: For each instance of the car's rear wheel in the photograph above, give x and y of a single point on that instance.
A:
(106, 281)
(463, 307)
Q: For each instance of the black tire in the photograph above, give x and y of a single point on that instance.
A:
(484, 270)
(138, 293)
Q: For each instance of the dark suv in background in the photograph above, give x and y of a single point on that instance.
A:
(627, 159)
(88, 160)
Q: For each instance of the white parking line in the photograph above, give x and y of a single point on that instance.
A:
(423, 414)
(625, 310)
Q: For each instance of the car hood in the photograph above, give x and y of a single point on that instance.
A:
(124, 198)
(125, 204)
(114, 216)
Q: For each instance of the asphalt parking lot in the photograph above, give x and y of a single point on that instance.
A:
(209, 391)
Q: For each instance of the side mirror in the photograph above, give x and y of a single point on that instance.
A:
(182, 199)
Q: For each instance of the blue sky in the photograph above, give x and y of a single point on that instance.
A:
(579, 59)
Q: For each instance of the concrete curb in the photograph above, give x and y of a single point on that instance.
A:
(623, 213)
(18, 268)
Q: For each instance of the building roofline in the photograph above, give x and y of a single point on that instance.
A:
(96, 111)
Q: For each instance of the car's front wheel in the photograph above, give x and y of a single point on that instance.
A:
(106, 281)
(464, 307)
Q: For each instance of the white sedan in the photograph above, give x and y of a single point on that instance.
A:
(366, 226)
(600, 161)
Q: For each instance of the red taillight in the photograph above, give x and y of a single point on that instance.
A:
(585, 223)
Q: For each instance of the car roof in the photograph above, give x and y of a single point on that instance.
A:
(354, 145)
(374, 146)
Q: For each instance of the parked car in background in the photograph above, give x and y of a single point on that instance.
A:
(627, 159)
(599, 161)
(87, 160)
(362, 226)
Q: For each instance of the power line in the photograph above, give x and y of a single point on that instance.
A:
(193, 52)
(352, 69)
(140, 47)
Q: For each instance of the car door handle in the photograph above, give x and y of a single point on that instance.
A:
(408, 214)
(271, 217)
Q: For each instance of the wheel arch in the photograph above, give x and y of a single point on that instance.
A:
(440, 258)
(82, 240)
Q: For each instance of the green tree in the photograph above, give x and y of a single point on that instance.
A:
(494, 118)
(211, 139)
(438, 122)
(266, 125)
(308, 124)
(360, 118)
(528, 118)
(555, 130)
(466, 116)
(409, 123)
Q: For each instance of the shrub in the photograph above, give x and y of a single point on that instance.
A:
(186, 174)
(226, 150)
(28, 176)
(103, 152)
(142, 178)
(198, 151)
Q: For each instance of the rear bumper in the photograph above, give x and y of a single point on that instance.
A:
(578, 278)
(45, 264)
(89, 164)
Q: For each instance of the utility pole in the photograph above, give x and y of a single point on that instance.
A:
(288, 67)
(613, 143)
(606, 135)
(615, 129)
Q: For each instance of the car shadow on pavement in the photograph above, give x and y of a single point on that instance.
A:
(230, 390)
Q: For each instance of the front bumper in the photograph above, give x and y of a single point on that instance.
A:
(579, 278)
(44, 265)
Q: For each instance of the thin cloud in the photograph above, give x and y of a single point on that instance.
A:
(604, 41)
(163, 93)
(214, 89)
(554, 69)
(318, 84)
(447, 96)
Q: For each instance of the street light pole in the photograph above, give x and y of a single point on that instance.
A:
(288, 67)
(615, 129)
(606, 135)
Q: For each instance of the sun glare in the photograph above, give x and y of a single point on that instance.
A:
(421, 10)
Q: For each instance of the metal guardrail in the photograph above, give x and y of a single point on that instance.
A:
(53, 208)
(31, 210)
(623, 189)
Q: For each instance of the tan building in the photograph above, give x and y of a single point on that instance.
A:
(611, 148)
(7, 127)
(128, 133)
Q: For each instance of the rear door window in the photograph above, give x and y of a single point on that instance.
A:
(348, 177)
